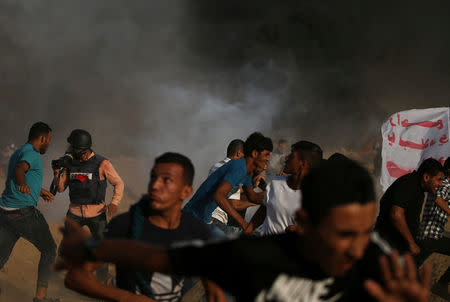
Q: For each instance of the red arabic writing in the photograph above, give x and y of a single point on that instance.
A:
(428, 124)
(395, 171)
(405, 123)
(419, 146)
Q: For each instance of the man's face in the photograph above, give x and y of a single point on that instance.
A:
(82, 154)
(281, 147)
(45, 142)
(261, 159)
(432, 183)
(167, 187)
(293, 163)
(341, 237)
(238, 155)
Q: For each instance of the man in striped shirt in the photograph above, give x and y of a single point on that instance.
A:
(431, 237)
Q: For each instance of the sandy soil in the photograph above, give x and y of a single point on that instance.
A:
(18, 277)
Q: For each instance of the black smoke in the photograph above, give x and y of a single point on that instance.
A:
(151, 76)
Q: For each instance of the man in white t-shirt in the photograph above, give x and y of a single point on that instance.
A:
(283, 195)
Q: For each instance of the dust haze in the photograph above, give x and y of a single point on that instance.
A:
(145, 77)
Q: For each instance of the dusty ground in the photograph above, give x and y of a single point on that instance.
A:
(18, 277)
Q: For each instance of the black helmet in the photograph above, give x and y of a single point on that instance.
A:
(80, 139)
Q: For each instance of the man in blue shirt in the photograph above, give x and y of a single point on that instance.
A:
(215, 189)
(19, 216)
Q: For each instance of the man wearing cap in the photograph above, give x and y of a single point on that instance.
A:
(87, 177)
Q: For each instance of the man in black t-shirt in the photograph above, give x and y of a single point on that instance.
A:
(331, 256)
(401, 204)
(157, 219)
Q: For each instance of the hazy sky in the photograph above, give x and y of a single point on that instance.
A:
(146, 77)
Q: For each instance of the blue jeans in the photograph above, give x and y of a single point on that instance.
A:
(231, 231)
(30, 224)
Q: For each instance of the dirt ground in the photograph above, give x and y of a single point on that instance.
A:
(18, 277)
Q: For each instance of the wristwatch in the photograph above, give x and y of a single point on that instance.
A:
(90, 245)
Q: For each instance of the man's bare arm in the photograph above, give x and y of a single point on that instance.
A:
(442, 204)
(220, 196)
(399, 221)
(19, 177)
(213, 292)
(144, 256)
(257, 220)
(255, 197)
(82, 280)
(240, 205)
(114, 179)
(63, 181)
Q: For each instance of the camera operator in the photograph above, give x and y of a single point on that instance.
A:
(86, 173)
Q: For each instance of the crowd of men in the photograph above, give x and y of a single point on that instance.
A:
(316, 235)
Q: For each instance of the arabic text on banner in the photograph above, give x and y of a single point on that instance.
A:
(411, 136)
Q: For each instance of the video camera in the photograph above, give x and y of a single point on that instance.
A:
(64, 161)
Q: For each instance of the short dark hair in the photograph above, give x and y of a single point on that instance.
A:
(430, 166)
(183, 161)
(335, 183)
(257, 141)
(337, 156)
(447, 166)
(38, 129)
(282, 141)
(234, 147)
(308, 151)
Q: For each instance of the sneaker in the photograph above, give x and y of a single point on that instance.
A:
(441, 290)
(46, 299)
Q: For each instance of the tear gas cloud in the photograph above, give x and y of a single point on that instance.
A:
(145, 77)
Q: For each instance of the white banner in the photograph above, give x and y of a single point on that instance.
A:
(411, 136)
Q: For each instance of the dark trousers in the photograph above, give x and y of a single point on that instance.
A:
(429, 246)
(30, 224)
(97, 226)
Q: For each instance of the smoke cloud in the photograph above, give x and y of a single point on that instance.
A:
(145, 77)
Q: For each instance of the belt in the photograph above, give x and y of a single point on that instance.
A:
(8, 212)
(17, 211)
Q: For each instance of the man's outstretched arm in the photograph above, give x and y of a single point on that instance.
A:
(82, 280)
(144, 257)
(77, 257)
